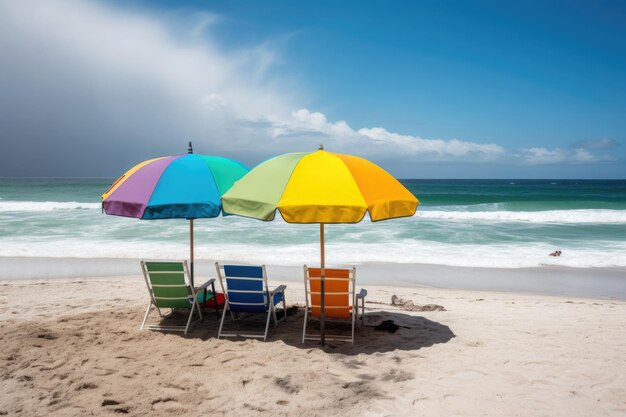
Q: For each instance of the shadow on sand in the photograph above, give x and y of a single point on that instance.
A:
(414, 332)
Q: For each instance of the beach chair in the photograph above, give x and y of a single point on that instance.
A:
(341, 302)
(246, 291)
(168, 288)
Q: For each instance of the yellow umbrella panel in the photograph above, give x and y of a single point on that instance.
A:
(319, 187)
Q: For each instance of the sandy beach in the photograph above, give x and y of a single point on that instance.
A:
(466, 158)
(73, 347)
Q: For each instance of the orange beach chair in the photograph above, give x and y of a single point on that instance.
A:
(341, 302)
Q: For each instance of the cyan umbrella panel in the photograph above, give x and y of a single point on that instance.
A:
(174, 187)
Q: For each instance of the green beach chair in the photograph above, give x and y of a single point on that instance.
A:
(168, 288)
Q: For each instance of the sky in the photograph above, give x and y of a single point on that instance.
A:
(428, 89)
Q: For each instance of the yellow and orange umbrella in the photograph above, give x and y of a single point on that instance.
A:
(319, 187)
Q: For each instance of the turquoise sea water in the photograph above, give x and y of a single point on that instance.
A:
(492, 223)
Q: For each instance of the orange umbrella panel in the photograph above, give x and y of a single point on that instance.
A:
(319, 187)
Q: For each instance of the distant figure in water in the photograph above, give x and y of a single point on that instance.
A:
(556, 253)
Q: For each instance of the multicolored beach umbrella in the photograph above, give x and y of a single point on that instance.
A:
(173, 187)
(319, 187)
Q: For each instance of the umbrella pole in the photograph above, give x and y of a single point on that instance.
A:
(322, 279)
(191, 251)
(190, 151)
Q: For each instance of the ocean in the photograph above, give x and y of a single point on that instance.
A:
(471, 223)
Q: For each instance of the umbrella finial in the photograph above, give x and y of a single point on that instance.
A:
(321, 148)
(190, 148)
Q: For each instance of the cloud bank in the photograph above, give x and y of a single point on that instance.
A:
(90, 88)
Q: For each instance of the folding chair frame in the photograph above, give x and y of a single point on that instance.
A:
(355, 306)
(153, 302)
(269, 304)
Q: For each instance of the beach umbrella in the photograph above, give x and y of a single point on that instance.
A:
(319, 187)
(174, 187)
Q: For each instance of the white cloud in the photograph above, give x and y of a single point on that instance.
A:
(453, 148)
(95, 78)
(544, 156)
(104, 79)
(305, 121)
(378, 140)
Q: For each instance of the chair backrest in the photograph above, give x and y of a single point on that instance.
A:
(166, 281)
(246, 287)
(339, 294)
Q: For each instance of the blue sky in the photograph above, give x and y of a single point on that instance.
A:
(427, 89)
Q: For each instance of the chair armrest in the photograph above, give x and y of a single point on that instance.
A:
(205, 285)
(280, 288)
(362, 294)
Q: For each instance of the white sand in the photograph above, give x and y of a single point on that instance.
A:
(72, 347)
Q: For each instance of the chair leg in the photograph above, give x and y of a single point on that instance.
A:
(197, 306)
(284, 307)
(145, 317)
(363, 311)
(267, 322)
(273, 309)
(219, 332)
(354, 319)
(199, 310)
(203, 303)
(306, 315)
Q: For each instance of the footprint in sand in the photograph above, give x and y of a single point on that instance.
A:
(171, 385)
(397, 375)
(254, 408)
(104, 371)
(420, 399)
(119, 410)
(231, 358)
(86, 385)
(286, 384)
(166, 404)
(54, 365)
(363, 389)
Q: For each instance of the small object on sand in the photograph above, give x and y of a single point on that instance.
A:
(387, 326)
(429, 307)
(410, 306)
(397, 301)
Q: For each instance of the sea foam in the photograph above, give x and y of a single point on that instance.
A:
(486, 213)
(607, 254)
(40, 206)
(596, 216)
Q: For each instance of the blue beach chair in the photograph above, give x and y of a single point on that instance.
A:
(246, 291)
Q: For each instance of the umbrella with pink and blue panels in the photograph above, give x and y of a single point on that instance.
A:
(174, 187)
